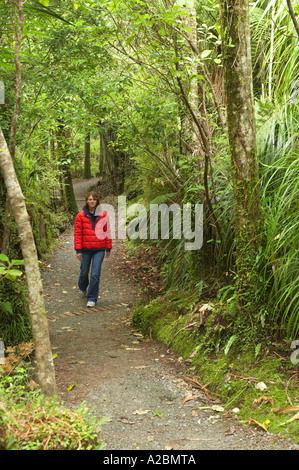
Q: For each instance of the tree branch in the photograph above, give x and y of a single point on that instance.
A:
(296, 25)
(13, 127)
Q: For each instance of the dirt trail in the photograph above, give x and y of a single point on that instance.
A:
(131, 380)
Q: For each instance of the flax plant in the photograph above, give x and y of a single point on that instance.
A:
(281, 251)
(276, 68)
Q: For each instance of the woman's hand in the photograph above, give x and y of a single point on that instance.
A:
(79, 256)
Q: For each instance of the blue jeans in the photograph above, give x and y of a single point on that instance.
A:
(93, 289)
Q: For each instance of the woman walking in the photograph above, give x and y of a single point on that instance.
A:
(92, 241)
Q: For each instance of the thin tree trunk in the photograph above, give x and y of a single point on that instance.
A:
(271, 50)
(68, 189)
(13, 128)
(87, 169)
(102, 156)
(295, 22)
(6, 226)
(17, 105)
(242, 133)
(193, 96)
(39, 323)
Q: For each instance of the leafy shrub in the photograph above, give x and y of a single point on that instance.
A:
(28, 421)
(15, 325)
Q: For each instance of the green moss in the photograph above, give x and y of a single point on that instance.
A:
(168, 307)
(145, 317)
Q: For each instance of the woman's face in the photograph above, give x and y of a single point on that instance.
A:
(92, 203)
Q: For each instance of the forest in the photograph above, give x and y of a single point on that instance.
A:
(172, 103)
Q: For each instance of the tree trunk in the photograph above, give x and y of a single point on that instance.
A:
(70, 200)
(13, 128)
(294, 19)
(193, 95)
(39, 323)
(242, 135)
(87, 169)
(102, 156)
(108, 156)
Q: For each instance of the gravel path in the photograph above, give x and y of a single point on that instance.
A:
(132, 381)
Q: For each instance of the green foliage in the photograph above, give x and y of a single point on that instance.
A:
(280, 253)
(15, 325)
(7, 269)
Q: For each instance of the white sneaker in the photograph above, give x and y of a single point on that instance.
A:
(82, 293)
(90, 303)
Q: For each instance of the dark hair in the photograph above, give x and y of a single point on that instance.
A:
(94, 195)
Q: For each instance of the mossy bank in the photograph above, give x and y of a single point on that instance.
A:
(258, 383)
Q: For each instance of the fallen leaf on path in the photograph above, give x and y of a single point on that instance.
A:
(158, 413)
(212, 419)
(141, 412)
(70, 387)
(263, 425)
(231, 430)
(189, 397)
(294, 418)
(218, 408)
(126, 421)
(287, 409)
(263, 400)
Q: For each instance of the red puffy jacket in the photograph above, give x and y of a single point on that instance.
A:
(92, 232)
